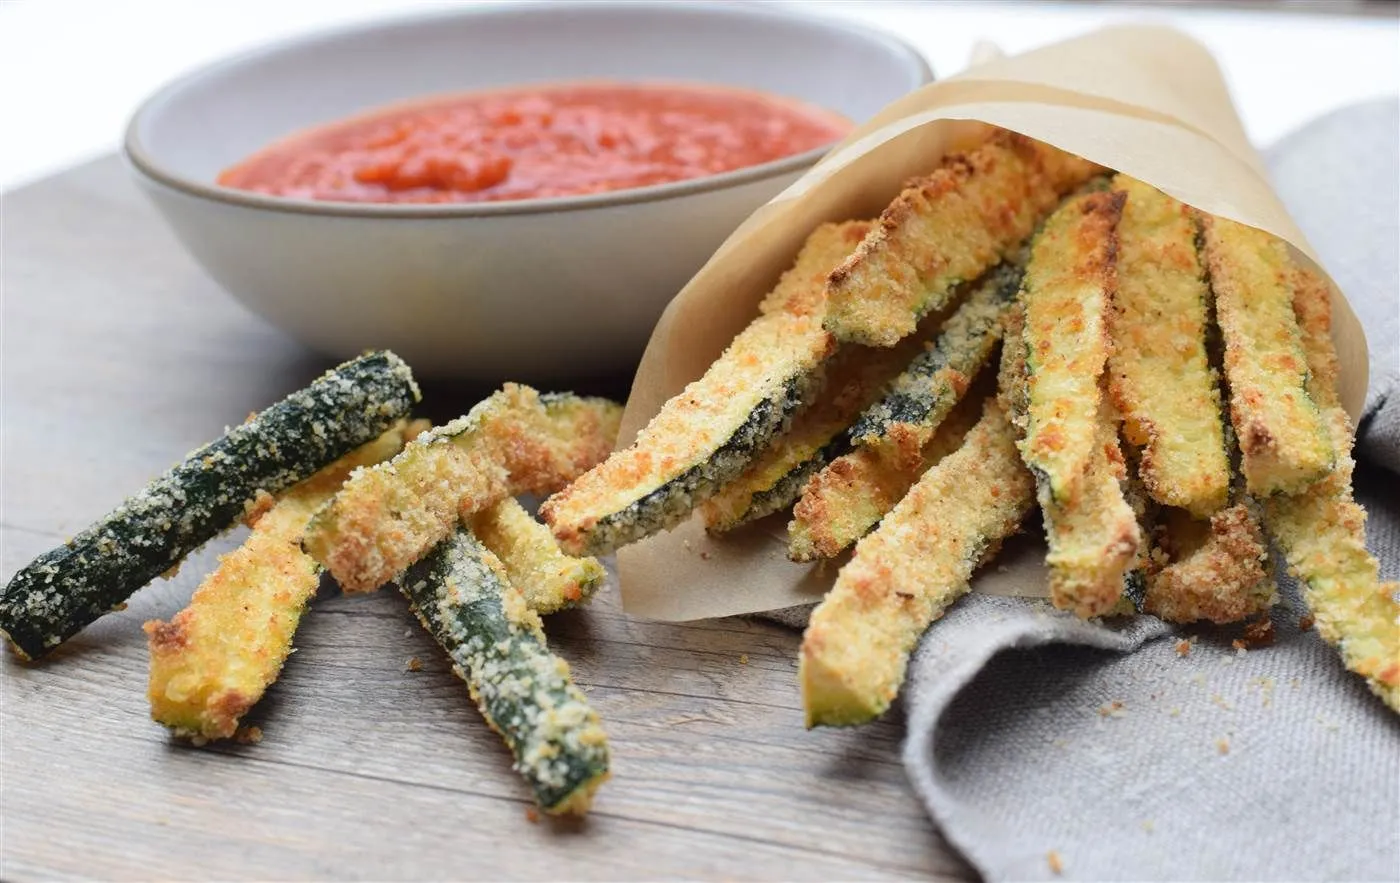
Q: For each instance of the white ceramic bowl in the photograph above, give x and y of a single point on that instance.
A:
(534, 290)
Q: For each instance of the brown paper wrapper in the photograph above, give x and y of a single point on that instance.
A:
(1147, 101)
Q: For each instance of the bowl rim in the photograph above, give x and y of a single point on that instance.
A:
(145, 163)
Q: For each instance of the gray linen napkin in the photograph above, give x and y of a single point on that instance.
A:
(1039, 742)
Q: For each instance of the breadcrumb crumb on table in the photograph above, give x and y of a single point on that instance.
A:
(1183, 648)
(414, 664)
(248, 735)
(1057, 864)
(1222, 745)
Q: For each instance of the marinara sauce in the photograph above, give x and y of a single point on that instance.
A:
(537, 142)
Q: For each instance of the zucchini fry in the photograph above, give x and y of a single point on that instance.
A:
(905, 574)
(214, 660)
(1283, 439)
(549, 579)
(945, 229)
(462, 596)
(844, 501)
(1322, 530)
(1071, 430)
(856, 377)
(1159, 375)
(1218, 572)
(900, 424)
(64, 590)
(517, 441)
(706, 436)
(1066, 292)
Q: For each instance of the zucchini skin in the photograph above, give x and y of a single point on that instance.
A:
(65, 589)
(214, 660)
(496, 643)
(901, 423)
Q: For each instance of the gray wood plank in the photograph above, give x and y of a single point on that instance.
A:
(118, 356)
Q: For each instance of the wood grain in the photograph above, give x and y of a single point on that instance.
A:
(118, 357)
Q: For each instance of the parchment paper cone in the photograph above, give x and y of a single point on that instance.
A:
(1148, 101)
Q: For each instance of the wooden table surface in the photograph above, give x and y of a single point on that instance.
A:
(119, 356)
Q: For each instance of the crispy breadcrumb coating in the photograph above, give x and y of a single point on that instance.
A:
(517, 441)
(1159, 374)
(946, 229)
(1322, 530)
(845, 501)
(534, 563)
(1282, 436)
(708, 435)
(1218, 572)
(905, 574)
(214, 660)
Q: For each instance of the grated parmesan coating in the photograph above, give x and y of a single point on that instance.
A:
(517, 441)
(901, 423)
(462, 596)
(1282, 436)
(65, 589)
(214, 660)
(946, 229)
(708, 435)
(905, 575)
(1159, 374)
(550, 579)
(1322, 530)
(845, 501)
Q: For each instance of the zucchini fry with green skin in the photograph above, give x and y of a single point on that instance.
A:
(900, 424)
(214, 660)
(462, 596)
(945, 229)
(905, 575)
(1066, 292)
(706, 436)
(1322, 531)
(1159, 374)
(65, 589)
(856, 377)
(517, 441)
(534, 563)
(1071, 430)
(845, 500)
(1283, 439)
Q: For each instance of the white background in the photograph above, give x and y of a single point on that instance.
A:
(71, 71)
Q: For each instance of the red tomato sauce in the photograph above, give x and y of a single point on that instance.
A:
(536, 142)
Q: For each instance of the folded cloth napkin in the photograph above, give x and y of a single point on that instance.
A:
(1047, 748)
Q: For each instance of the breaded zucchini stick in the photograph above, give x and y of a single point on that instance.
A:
(462, 596)
(534, 563)
(856, 376)
(901, 424)
(1071, 430)
(708, 435)
(844, 501)
(1322, 530)
(905, 574)
(1218, 572)
(1283, 439)
(517, 441)
(214, 660)
(1159, 375)
(62, 591)
(945, 229)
